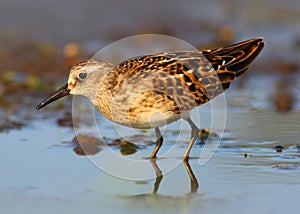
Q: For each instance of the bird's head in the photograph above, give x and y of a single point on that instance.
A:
(84, 79)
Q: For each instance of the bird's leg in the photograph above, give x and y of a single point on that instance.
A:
(159, 142)
(194, 136)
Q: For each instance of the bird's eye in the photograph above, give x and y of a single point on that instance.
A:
(82, 76)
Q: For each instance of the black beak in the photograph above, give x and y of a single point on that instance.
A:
(61, 92)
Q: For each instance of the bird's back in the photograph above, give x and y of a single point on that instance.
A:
(176, 82)
(204, 74)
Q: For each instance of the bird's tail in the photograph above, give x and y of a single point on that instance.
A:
(232, 61)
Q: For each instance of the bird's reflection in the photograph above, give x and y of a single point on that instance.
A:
(166, 201)
(193, 179)
(159, 177)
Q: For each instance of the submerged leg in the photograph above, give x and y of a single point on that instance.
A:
(194, 136)
(159, 142)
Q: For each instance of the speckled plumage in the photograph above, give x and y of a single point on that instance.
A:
(155, 90)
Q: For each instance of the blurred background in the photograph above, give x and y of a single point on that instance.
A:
(41, 40)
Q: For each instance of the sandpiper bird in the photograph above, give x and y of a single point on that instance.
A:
(154, 90)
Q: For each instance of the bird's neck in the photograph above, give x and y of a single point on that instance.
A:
(104, 96)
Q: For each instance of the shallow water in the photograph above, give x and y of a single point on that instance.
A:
(245, 174)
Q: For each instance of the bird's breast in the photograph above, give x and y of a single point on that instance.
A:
(146, 109)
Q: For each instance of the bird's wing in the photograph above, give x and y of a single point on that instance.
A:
(190, 78)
